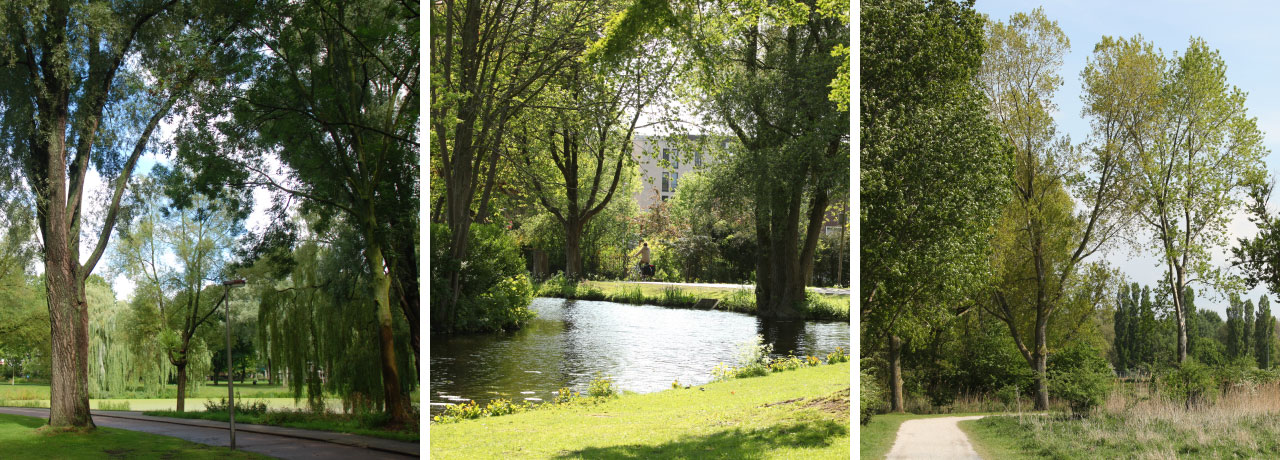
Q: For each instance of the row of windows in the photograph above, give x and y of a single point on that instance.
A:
(668, 154)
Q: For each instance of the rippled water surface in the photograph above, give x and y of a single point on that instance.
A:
(642, 347)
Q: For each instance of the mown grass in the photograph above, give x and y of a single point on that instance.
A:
(818, 306)
(362, 424)
(23, 437)
(1240, 424)
(795, 414)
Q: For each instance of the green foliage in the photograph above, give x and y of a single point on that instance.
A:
(1190, 382)
(243, 406)
(870, 395)
(1081, 376)
(602, 387)
(1264, 333)
(113, 405)
(928, 151)
(495, 290)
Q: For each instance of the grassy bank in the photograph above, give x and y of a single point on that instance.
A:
(818, 307)
(22, 437)
(1241, 424)
(795, 414)
(362, 424)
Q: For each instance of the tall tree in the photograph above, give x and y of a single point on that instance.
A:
(1045, 242)
(1193, 148)
(71, 87)
(1263, 333)
(199, 238)
(490, 59)
(572, 149)
(766, 72)
(933, 170)
(335, 100)
(1235, 328)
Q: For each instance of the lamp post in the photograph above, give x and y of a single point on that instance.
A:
(231, 396)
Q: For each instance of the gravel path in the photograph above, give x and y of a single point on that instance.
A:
(933, 438)
(279, 442)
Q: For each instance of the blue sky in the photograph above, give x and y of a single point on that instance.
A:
(1245, 33)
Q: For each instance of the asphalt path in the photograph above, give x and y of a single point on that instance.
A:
(285, 443)
(933, 438)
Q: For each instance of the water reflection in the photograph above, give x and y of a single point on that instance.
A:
(642, 347)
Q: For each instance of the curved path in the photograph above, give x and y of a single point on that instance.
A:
(933, 438)
(279, 442)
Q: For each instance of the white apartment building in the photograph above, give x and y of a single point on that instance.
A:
(659, 183)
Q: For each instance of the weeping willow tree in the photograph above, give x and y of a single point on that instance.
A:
(317, 325)
(110, 362)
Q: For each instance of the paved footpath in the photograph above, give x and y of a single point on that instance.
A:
(279, 442)
(819, 290)
(933, 438)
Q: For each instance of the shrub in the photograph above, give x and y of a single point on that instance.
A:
(1080, 376)
(1008, 395)
(495, 288)
(601, 387)
(870, 395)
(242, 406)
(113, 405)
(1189, 383)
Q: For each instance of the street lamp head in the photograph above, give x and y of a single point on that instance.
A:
(233, 283)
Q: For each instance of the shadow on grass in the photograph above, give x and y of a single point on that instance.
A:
(736, 443)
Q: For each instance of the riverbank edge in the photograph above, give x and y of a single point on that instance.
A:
(800, 412)
(686, 298)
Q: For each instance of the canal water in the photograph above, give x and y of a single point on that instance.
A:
(643, 348)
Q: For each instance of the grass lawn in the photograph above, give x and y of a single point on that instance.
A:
(20, 437)
(341, 423)
(827, 307)
(276, 397)
(795, 414)
(876, 438)
(988, 444)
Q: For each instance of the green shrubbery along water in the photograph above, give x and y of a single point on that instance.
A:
(495, 288)
(599, 390)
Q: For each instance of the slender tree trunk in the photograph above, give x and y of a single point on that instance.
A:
(390, 373)
(1180, 315)
(895, 374)
(182, 384)
(1040, 356)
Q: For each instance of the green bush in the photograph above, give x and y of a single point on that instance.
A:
(242, 406)
(1081, 376)
(601, 387)
(871, 396)
(1189, 383)
(495, 288)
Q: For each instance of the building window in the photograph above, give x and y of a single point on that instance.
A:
(697, 160)
(675, 181)
(664, 198)
(666, 177)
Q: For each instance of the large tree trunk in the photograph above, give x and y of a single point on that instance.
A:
(182, 384)
(68, 389)
(895, 374)
(390, 373)
(573, 250)
(779, 273)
